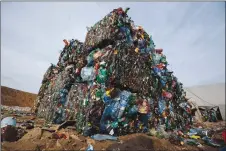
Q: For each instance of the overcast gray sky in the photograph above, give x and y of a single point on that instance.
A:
(191, 34)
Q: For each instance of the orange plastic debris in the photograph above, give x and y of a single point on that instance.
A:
(66, 42)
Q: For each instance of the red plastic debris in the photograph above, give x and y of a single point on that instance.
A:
(224, 135)
(159, 51)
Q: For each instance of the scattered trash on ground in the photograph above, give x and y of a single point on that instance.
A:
(114, 84)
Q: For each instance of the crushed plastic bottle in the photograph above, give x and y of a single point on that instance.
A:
(101, 137)
(192, 142)
(200, 132)
(90, 148)
(210, 142)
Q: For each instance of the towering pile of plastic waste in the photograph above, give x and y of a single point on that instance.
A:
(116, 82)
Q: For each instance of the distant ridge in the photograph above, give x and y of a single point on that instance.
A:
(13, 97)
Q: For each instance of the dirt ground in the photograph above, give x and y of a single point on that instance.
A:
(42, 140)
(13, 97)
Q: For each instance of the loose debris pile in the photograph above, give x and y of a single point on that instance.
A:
(16, 108)
(117, 83)
(65, 137)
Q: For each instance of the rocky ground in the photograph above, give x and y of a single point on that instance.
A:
(40, 140)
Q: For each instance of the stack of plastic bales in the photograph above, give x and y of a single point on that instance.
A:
(115, 83)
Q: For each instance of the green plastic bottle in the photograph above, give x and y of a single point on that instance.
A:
(102, 75)
(114, 124)
(192, 142)
(99, 93)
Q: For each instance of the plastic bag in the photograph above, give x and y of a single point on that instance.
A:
(161, 105)
(88, 74)
(8, 121)
(210, 142)
(200, 132)
(124, 97)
